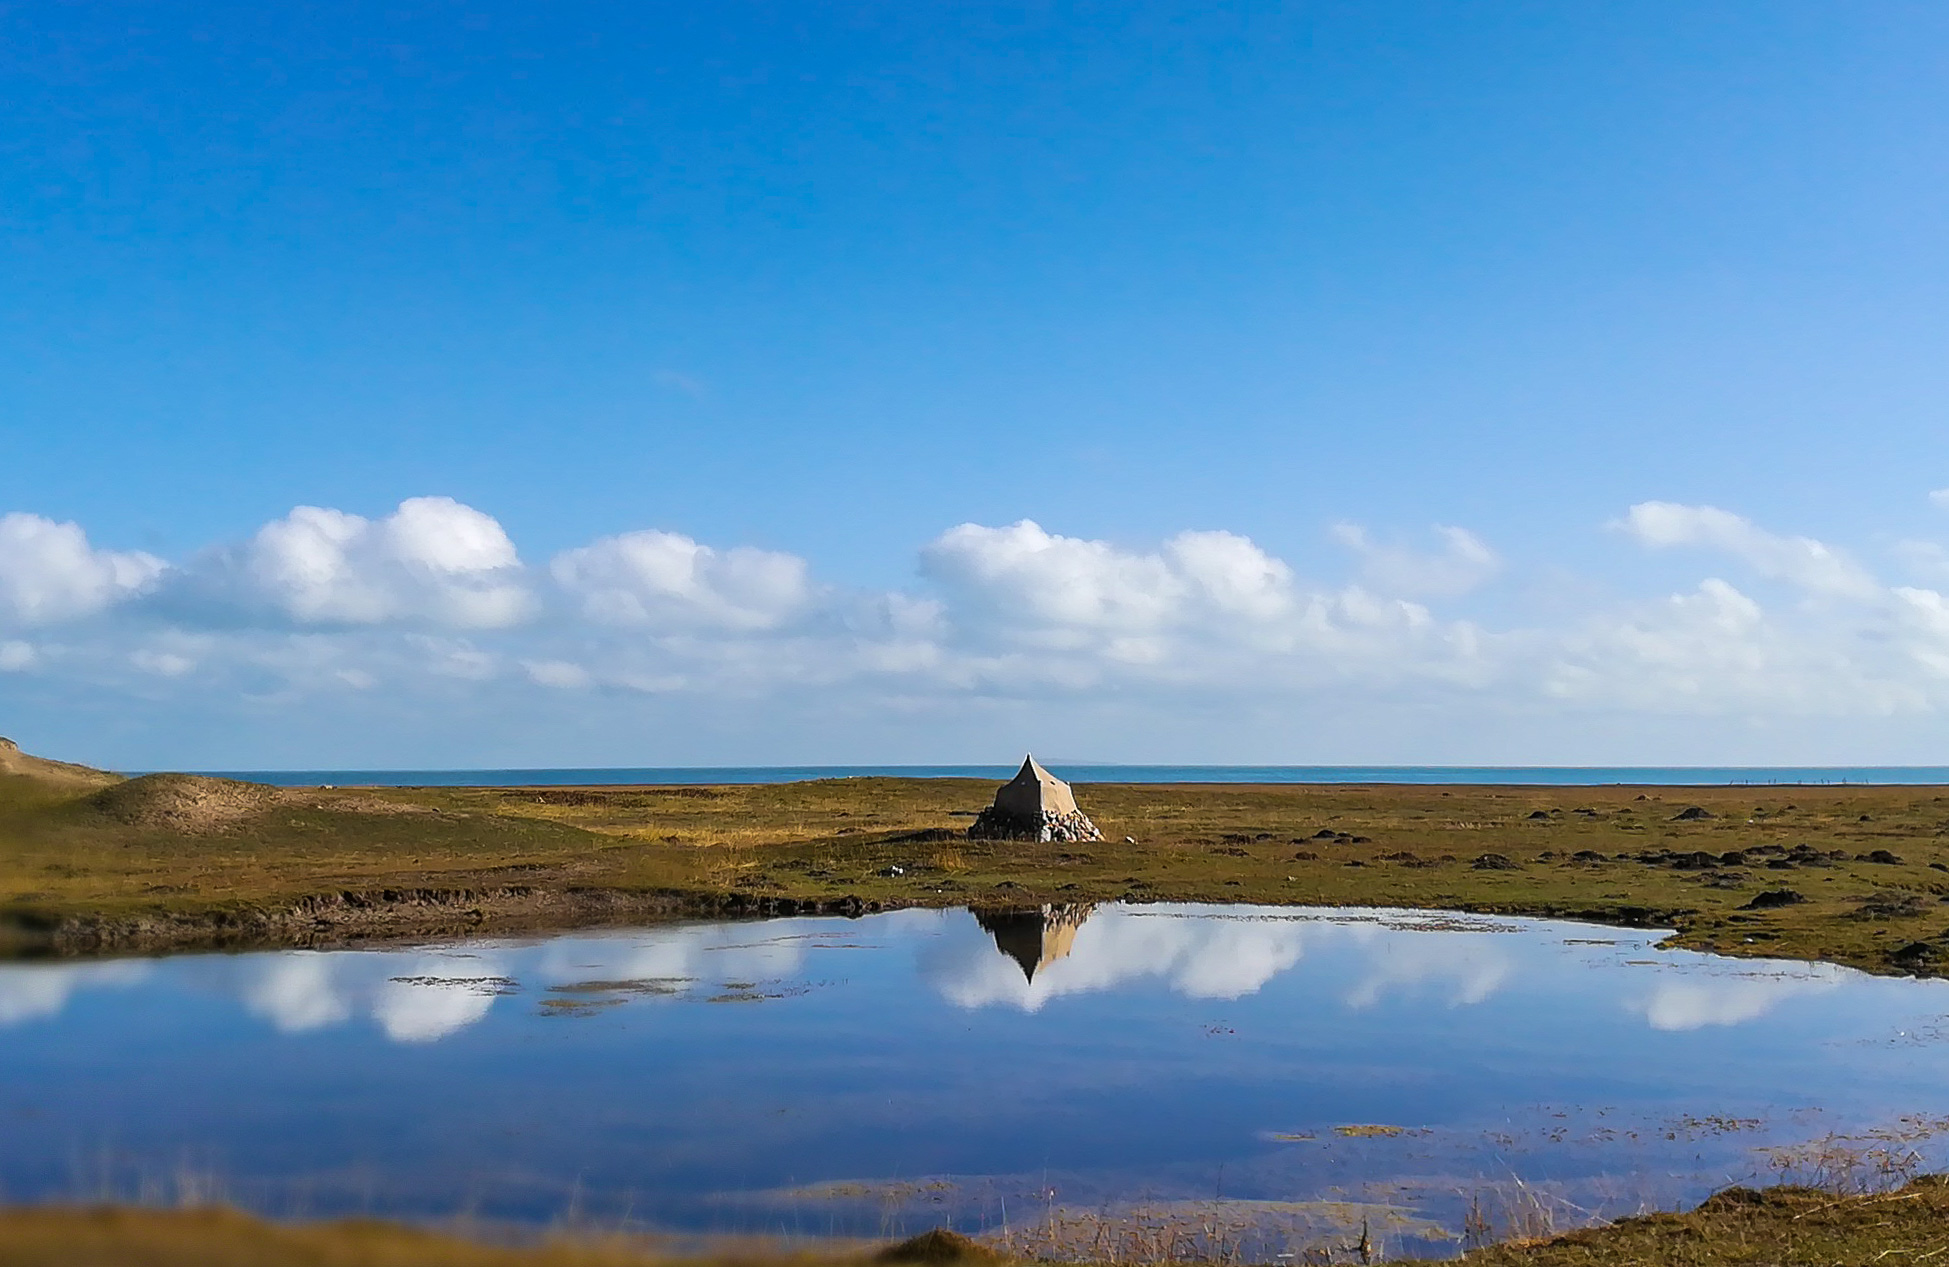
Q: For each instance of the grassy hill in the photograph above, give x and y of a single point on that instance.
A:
(25, 778)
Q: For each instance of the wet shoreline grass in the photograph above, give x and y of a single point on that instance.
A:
(1775, 1227)
(1854, 875)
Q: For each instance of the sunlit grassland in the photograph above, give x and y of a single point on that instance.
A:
(1867, 868)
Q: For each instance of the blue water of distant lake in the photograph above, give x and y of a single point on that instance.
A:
(1299, 1071)
(1557, 776)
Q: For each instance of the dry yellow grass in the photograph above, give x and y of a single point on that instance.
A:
(224, 1238)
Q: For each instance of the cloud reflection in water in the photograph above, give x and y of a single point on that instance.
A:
(1731, 998)
(1202, 958)
(432, 994)
(1469, 965)
(1206, 955)
(434, 1000)
(297, 991)
(1023, 960)
(33, 991)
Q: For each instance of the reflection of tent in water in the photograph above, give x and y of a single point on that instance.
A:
(1035, 936)
(1034, 805)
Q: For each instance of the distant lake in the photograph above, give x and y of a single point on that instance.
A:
(1291, 1072)
(1557, 776)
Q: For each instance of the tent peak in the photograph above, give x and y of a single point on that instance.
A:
(1034, 805)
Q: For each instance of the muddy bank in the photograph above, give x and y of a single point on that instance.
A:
(393, 916)
(352, 918)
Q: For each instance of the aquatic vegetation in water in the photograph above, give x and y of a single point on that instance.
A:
(495, 986)
(760, 991)
(1372, 1132)
(1687, 1126)
(1217, 1231)
(576, 1007)
(1870, 1161)
(653, 986)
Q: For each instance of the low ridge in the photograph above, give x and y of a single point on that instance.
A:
(187, 803)
(57, 775)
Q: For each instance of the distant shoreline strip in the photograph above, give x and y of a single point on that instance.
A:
(1407, 775)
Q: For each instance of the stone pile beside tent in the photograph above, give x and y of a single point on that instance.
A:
(1034, 805)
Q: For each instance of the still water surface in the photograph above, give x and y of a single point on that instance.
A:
(885, 1074)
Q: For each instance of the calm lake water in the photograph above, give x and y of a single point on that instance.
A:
(883, 1075)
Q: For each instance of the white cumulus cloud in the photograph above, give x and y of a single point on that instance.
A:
(49, 572)
(1691, 652)
(1463, 562)
(433, 560)
(162, 663)
(1207, 607)
(1812, 565)
(559, 674)
(663, 580)
(1025, 573)
(432, 602)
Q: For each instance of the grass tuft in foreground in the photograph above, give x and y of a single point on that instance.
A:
(1771, 1227)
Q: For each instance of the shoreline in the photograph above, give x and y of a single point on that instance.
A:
(403, 918)
(1088, 775)
(1738, 1225)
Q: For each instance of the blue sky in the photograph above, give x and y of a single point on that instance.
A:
(1413, 302)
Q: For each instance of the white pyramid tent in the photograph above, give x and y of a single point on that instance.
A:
(1034, 805)
(1035, 791)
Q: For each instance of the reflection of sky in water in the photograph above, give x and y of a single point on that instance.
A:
(666, 1070)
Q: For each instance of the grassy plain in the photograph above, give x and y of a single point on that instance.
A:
(1857, 875)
